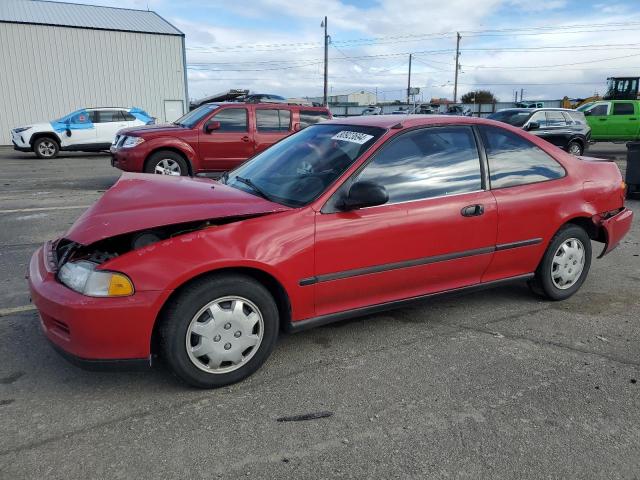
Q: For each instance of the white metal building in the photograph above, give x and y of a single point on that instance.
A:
(59, 57)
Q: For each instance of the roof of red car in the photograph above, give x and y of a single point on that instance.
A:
(388, 121)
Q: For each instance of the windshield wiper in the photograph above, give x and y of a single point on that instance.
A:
(254, 187)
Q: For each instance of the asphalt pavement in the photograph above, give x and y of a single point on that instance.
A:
(497, 384)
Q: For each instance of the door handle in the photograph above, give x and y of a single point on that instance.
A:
(245, 138)
(633, 119)
(472, 210)
(602, 119)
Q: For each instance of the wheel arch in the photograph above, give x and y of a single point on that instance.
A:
(38, 135)
(273, 285)
(594, 231)
(171, 148)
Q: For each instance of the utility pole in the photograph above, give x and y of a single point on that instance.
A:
(521, 93)
(326, 60)
(409, 80)
(455, 84)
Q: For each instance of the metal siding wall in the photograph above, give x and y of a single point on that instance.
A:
(47, 72)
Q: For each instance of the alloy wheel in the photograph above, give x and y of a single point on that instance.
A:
(168, 166)
(224, 335)
(46, 148)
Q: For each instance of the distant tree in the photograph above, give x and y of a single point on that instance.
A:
(480, 96)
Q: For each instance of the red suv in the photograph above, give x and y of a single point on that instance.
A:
(215, 137)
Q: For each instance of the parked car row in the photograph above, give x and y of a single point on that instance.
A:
(565, 128)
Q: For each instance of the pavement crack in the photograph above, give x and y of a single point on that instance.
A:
(547, 343)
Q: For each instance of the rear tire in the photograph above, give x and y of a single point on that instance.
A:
(575, 148)
(219, 330)
(565, 264)
(46, 148)
(166, 162)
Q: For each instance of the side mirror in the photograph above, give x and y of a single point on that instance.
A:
(364, 194)
(587, 113)
(211, 125)
(533, 126)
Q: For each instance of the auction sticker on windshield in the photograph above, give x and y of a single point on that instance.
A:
(354, 137)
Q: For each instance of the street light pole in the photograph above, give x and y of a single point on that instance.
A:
(455, 85)
(326, 60)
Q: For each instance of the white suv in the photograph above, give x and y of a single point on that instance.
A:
(86, 130)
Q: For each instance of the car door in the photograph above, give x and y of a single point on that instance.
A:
(272, 125)
(557, 131)
(76, 129)
(622, 123)
(437, 231)
(108, 122)
(597, 117)
(229, 145)
(529, 187)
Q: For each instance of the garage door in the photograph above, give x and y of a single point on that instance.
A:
(173, 109)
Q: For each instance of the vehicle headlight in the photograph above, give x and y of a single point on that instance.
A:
(82, 277)
(21, 129)
(131, 142)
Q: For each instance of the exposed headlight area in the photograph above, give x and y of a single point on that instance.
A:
(21, 129)
(130, 142)
(83, 277)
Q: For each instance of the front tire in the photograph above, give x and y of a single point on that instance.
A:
(166, 162)
(565, 264)
(219, 330)
(46, 148)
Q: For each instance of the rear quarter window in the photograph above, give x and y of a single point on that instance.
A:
(514, 161)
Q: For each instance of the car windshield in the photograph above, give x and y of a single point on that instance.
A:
(194, 116)
(296, 170)
(516, 118)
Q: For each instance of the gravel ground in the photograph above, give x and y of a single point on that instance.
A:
(497, 384)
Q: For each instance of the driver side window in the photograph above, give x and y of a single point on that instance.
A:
(231, 120)
(427, 163)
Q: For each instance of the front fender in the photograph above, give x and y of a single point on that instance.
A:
(173, 143)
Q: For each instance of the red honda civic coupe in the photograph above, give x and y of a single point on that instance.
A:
(343, 218)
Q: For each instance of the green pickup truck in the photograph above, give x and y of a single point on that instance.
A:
(613, 120)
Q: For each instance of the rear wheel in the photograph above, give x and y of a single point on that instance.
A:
(46, 147)
(167, 163)
(575, 148)
(219, 330)
(565, 264)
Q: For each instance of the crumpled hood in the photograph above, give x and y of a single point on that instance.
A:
(139, 201)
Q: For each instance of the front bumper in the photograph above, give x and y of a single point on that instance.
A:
(127, 159)
(19, 142)
(615, 228)
(93, 331)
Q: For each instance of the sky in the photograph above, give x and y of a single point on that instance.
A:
(548, 48)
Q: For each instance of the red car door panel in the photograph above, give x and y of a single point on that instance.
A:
(428, 238)
(530, 193)
(392, 252)
(231, 144)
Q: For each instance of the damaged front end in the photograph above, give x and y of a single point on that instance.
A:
(65, 250)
